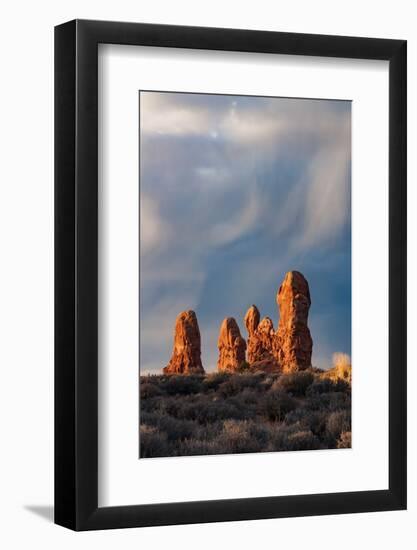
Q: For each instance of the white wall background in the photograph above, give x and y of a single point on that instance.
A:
(26, 272)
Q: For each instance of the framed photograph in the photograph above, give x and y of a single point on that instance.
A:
(230, 255)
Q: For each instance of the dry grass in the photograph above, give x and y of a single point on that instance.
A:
(223, 413)
(342, 368)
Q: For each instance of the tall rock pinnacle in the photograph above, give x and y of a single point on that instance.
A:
(186, 355)
(252, 318)
(232, 346)
(293, 344)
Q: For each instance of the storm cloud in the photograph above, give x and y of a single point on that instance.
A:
(235, 191)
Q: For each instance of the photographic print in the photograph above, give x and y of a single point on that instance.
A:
(245, 274)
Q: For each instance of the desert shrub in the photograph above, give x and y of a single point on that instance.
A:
(331, 401)
(314, 371)
(342, 368)
(183, 407)
(213, 380)
(220, 410)
(345, 440)
(319, 424)
(302, 441)
(276, 405)
(326, 385)
(246, 412)
(260, 433)
(315, 421)
(292, 438)
(149, 389)
(295, 382)
(278, 436)
(246, 402)
(173, 405)
(340, 400)
(269, 379)
(177, 429)
(338, 422)
(231, 437)
(236, 438)
(244, 367)
(248, 397)
(182, 385)
(154, 403)
(341, 360)
(151, 418)
(151, 379)
(195, 447)
(152, 442)
(209, 431)
(268, 382)
(239, 382)
(299, 415)
(204, 409)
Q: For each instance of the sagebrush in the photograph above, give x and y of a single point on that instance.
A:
(223, 413)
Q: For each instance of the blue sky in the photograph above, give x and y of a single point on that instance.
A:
(234, 192)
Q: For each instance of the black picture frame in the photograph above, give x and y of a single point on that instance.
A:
(76, 272)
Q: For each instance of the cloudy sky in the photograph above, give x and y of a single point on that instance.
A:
(235, 191)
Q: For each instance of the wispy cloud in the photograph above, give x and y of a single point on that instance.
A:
(160, 115)
(327, 207)
(234, 192)
(238, 224)
(154, 230)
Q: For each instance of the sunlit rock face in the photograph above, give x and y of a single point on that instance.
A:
(287, 349)
(186, 353)
(293, 343)
(232, 347)
(260, 340)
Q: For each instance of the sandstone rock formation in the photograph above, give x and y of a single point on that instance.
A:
(252, 319)
(232, 346)
(293, 345)
(260, 340)
(265, 333)
(288, 349)
(186, 355)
